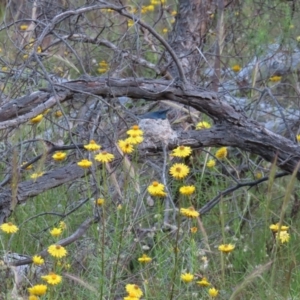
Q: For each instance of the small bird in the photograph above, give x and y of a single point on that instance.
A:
(159, 114)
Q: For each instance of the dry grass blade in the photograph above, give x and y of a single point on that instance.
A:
(249, 279)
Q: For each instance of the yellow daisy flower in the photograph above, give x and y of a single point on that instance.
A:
(9, 228)
(211, 163)
(179, 171)
(135, 139)
(100, 201)
(133, 290)
(145, 259)
(187, 189)
(38, 260)
(36, 175)
(213, 292)
(58, 156)
(182, 151)
(52, 278)
(283, 236)
(258, 175)
(56, 232)
(187, 277)
(38, 290)
(189, 212)
(92, 146)
(125, 146)
(84, 163)
(104, 157)
(62, 225)
(203, 282)
(23, 27)
(194, 229)
(236, 68)
(58, 114)
(275, 78)
(36, 119)
(33, 297)
(275, 227)
(203, 125)
(135, 129)
(156, 189)
(226, 248)
(57, 251)
(221, 153)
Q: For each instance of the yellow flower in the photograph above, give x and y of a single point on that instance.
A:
(131, 298)
(130, 23)
(298, 138)
(144, 9)
(150, 7)
(57, 251)
(213, 292)
(36, 175)
(135, 129)
(189, 212)
(275, 227)
(179, 171)
(134, 139)
(28, 167)
(145, 259)
(52, 278)
(203, 282)
(58, 114)
(100, 201)
(182, 151)
(165, 30)
(92, 146)
(84, 163)
(23, 27)
(133, 290)
(62, 225)
(221, 153)
(187, 277)
(125, 146)
(226, 248)
(9, 227)
(37, 260)
(258, 175)
(211, 163)
(283, 236)
(56, 232)
(104, 157)
(275, 78)
(4, 69)
(203, 125)
(38, 290)
(236, 68)
(156, 189)
(33, 297)
(36, 119)
(59, 156)
(194, 229)
(103, 67)
(187, 189)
